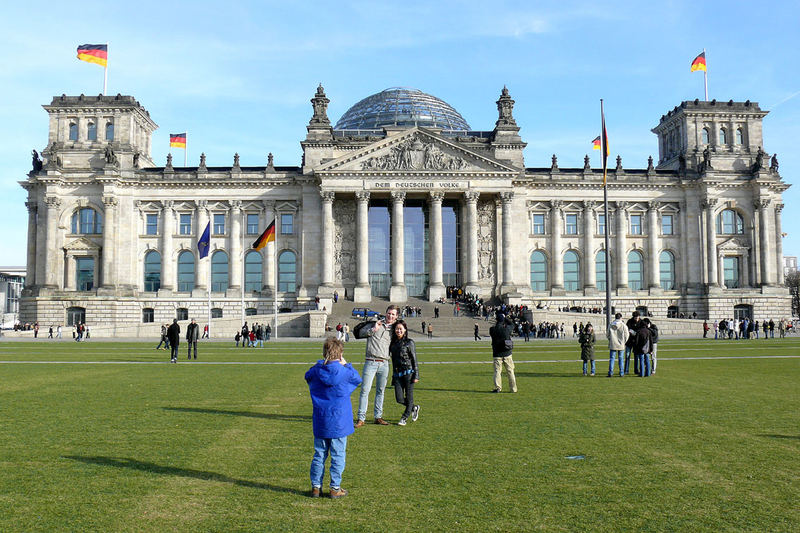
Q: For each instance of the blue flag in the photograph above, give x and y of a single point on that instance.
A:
(205, 240)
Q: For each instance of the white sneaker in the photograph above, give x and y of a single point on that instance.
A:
(402, 422)
(415, 412)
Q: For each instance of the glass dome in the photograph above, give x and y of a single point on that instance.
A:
(401, 106)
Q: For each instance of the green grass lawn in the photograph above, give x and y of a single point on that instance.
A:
(705, 445)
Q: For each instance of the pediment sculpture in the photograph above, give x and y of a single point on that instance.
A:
(412, 154)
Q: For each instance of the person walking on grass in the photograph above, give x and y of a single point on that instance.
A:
(331, 382)
(587, 340)
(376, 365)
(405, 372)
(192, 333)
(618, 334)
(502, 347)
(174, 337)
(477, 332)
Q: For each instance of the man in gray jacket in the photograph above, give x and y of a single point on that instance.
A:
(617, 337)
(376, 365)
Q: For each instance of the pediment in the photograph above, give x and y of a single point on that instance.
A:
(733, 244)
(416, 150)
(81, 244)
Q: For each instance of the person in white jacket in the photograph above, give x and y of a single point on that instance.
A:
(617, 337)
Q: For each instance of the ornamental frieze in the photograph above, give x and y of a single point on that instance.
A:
(413, 154)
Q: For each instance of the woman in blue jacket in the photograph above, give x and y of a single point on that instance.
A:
(331, 382)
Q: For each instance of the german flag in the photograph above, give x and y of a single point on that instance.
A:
(596, 143)
(604, 144)
(264, 238)
(178, 140)
(94, 53)
(699, 63)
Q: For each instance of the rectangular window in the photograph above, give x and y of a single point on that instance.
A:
(84, 273)
(287, 224)
(148, 315)
(730, 267)
(666, 224)
(636, 224)
(601, 224)
(537, 224)
(152, 225)
(252, 224)
(219, 224)
(572, 224)
(186, 224)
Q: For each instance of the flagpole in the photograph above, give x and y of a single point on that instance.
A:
(604, 148)
(186, 149)
(209, 292)
(275, 276)
(705, 74)
(244, 269)
(105, 72)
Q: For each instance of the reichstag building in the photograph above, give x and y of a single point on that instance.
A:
(400, 199)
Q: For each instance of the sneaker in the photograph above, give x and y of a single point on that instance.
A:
(415, 412)
(402, 422)
(316, 492)
(496, 390)
(338, 493)
(359, 424)
(593, 373)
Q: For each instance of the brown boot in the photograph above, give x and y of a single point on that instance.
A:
(359, 424)
(338, 493)
(381, 422)
(316, 492)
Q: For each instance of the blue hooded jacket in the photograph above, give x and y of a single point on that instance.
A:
(330, 386)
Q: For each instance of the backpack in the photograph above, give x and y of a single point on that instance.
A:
(361, 329)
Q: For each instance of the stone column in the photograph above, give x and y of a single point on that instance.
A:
(235, 244)
(168, 260)
(109, 241)
(622, 244)
(268, 251)
(755, 239)
(652, 245)
(721, 271)
(556, 261)
(51, 259)
(746, 279)
(779, 244)
(767, 252)
(589, 270)
(436, 285)
(203, 265)
(471, 201)
(711, 242)
(509, 285)
(327, 238)
(398, 291)
(69, 267)
(362, 291)
(30, 267)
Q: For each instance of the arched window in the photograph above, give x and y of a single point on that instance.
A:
(572, 271)
(152, 271)
(91, 131)
(723, 136)
(73, 131)
(287, 271)
(186, 271)
(109, 131)
(219, 271)
(252, 271)
(739, 136)
(600, 270)
(666, 268)
(87, 221)
(635, 271)
(704, 136)
(538, 271)
(730, 222)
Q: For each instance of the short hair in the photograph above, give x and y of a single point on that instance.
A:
(618, 315)
(635, 314)
(332, 349)
(393, 307)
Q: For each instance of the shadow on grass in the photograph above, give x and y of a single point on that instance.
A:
(577, 374)
(153, 468)
(471, 391)
(780, 436)
(250, 414)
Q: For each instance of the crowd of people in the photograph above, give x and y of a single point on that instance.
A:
(744, 329)
(253, 336)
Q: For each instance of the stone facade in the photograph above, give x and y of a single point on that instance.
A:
(114, 236)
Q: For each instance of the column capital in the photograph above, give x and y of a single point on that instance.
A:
(398, 196)
(165, 204)
(589, 204)
(362, 196)
(506, 197)
(623, 206)
(53, 202)
(32, 206)
(778, 208)
(763, 203)
(709, 203)
(556, 204)
(471, 196)
(267, 206)
(327, 196)
(653, 205)
(436, 196)
(236, 205)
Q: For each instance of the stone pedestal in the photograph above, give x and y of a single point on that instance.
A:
(398, 294)
(362, 293)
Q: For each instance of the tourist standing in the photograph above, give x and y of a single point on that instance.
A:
(376, 365)
(192, 332)
(502, 347)
(405, 372)
(174, 337)
(618, 334)
(587, 340)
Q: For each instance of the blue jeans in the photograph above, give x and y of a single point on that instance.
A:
(644, 364)
(612, 355)
(372, 370)
(628, 351)
(337, 449)
(585, 365)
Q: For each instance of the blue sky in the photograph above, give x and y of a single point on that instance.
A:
(239, 77)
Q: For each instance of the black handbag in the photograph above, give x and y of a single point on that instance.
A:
(361, 329)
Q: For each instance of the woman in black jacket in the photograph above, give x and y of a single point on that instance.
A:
(404, 370)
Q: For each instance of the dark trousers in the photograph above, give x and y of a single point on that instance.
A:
(174, 350)
(192, 344)
(404, 392)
